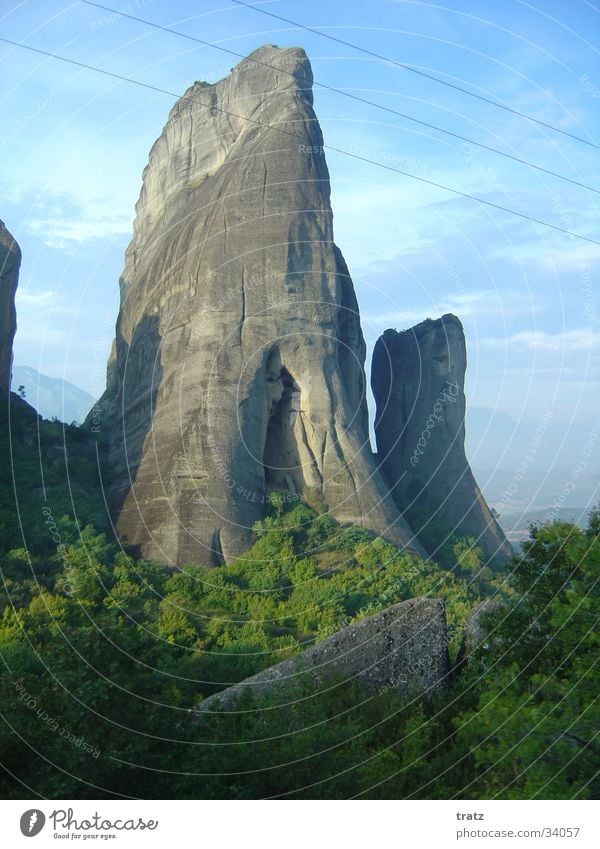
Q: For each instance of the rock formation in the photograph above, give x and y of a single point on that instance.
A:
(418, 383)
(476, 636)
(238, 361)
(403, 648)
(10, 260)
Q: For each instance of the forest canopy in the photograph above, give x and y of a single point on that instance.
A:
(105, 656)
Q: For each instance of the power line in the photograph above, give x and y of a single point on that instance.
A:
(280, 130)
(347, 94)
(417, 71)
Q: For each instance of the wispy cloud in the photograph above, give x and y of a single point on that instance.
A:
(88, 219)
(568, 341)
(561, 257)
(35, 299)
(65, 219)
(34, 306)
(478, 302)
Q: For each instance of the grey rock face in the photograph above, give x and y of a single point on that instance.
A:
(476, 632)
(403, 648)
(238, 361)
(10, 261)
(418, 383)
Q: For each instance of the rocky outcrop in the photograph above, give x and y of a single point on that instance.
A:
(403, 648)
(476, 635)
(238, 361)
(418, 383)
(10, 260)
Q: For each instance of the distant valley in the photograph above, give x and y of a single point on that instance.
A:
(51, 396)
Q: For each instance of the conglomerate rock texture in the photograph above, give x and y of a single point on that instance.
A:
(403, 648)
(10, 261)
(238, 361)
(417, 379)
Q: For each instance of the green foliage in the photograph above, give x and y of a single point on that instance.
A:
(104, 656)
(538, 715)
(47, 466)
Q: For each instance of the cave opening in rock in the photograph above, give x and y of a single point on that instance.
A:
(281, 460)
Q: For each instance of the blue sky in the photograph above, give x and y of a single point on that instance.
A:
(73, 145)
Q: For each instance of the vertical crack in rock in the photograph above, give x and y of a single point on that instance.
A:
(243, 309)
(195, 436)
(418, 383)
(283, 468)
(314, 463)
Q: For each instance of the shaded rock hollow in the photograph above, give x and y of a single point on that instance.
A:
(418, 379)
(238, 361)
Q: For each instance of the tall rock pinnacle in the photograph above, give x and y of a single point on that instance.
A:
(238, 361)
(10, 260)
(418, 383)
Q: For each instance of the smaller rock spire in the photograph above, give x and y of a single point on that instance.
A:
(418, 383)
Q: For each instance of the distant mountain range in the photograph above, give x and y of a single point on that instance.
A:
(532, 473)
(494, 438)
(51, 396)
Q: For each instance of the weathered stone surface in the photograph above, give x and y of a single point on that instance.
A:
(403, 648)
(238, 361)
(10, 260)
(418, 383)
(476, 632)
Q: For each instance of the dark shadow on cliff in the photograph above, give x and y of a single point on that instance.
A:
(122, 419)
